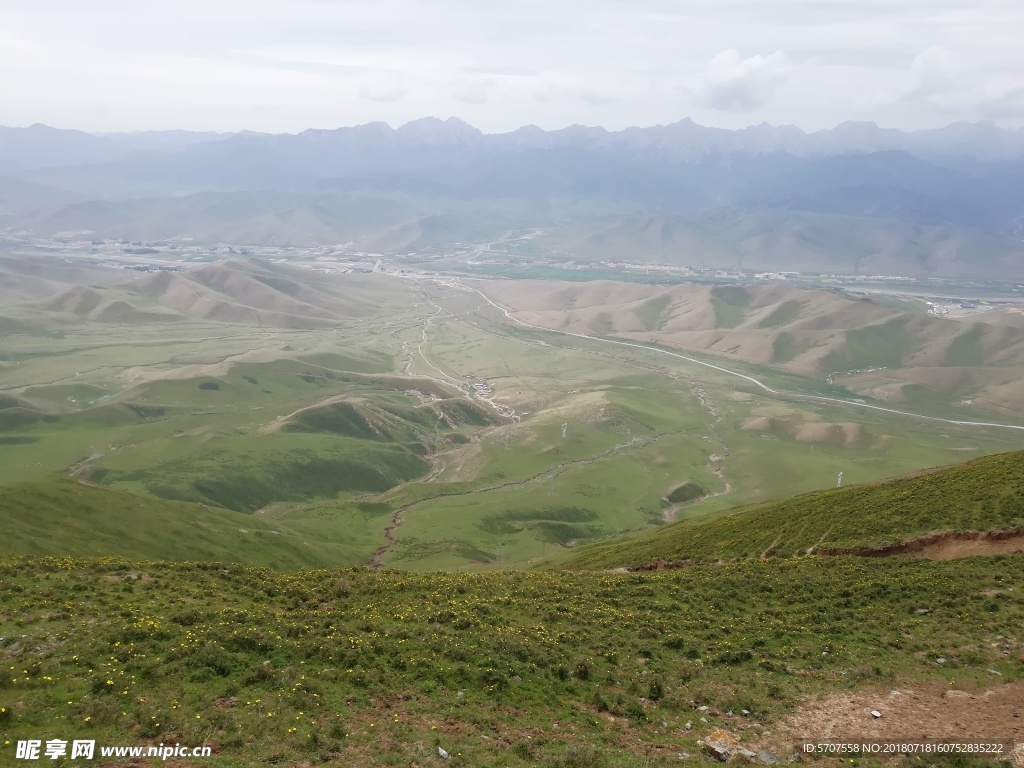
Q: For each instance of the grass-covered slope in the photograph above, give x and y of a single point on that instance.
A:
(288, 467)
(513, 669)
(58, 515)
(984, 494)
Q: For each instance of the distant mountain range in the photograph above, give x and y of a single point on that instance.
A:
(40, 146)
(432, 182)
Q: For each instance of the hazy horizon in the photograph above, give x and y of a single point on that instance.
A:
(395, 125)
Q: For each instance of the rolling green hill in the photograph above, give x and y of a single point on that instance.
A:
(61, 516)
(238, 292)
(981, 495)
(884, 348)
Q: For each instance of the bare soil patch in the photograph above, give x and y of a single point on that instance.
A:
(923, 712)
(944, 545)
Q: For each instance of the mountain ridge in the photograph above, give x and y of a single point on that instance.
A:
(855, 199)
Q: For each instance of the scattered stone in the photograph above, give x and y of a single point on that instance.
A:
(720, 745)
(517, 678)
(994, 672)
(767, 758)
(442, 754)
(940, 660)
(875, 714)
(703, 719)
(688, 725)
(923, 611)
(729, 713)
(745, 712)
(703, 708)
(683, 755)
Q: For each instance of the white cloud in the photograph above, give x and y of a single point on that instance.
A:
(473, 91)
(383, 88)
(203, 64)
(948, 84)
(734, 84)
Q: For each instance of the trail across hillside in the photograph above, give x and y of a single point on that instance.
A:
(751, 379)
(377, 560)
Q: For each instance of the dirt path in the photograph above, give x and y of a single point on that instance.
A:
(813, 548)
(503, 410)
(377, 560)
(715, 459)
(750, 379)
(76, 469)
(280, 421)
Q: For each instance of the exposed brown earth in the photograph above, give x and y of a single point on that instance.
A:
(941, 545)
(810, 332)
(944, 545)
(921, 712)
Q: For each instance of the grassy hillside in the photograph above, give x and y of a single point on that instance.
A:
(238, 292)
(394, 222)
(882, 348)
(771, 239)
(552, 669)
(35, 277)
(984, 494)
(391, 433)
(60, 516)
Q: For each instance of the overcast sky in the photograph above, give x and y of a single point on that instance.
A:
(287, 65)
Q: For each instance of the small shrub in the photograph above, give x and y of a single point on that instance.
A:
(523, 750)
(579, 757)
(656, 690)
(635, 711)
(583, 671)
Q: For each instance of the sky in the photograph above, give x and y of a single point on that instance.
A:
(289, 65)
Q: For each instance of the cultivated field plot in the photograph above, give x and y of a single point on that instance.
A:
(412, 423)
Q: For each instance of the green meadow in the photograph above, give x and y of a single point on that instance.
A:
(985, 494)
(403, 420)
(556, 669)
(360, 544)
